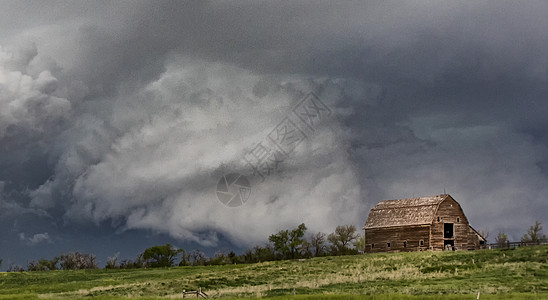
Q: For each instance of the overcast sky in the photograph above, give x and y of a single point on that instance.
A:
(118, 118)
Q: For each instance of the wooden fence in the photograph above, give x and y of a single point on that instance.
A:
(509, 245)
(197, 293)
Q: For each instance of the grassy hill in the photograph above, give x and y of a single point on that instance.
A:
(498, 274)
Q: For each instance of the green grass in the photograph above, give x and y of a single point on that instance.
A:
(498, 274)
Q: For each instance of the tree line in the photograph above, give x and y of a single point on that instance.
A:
(533, 236)
(285, 244)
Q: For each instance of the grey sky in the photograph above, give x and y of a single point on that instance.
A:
(117, 118)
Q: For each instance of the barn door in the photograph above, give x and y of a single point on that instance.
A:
(448, 230)
(449, 245)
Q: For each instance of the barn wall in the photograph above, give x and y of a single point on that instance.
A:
(396, 236)
(473, 240)
(448, 212)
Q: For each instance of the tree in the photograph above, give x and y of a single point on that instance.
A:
(304, 250)
(199, 258)
(43, 265)
(221, 258)
(317, 241)
(161, 256)
(112, 262)
(296, 241)
(359, 245)
(342, 238)
(280, 241)
(484, 234)
(248, 257)
(232, 257)
(501, 239)
(258, 254)
(288, 244)
(265, 253)
(127, 264)
(139, 262)
(33, 266)
(185, 259)
(534, 234)
(77, 261)
(15, 268)
(51, 264)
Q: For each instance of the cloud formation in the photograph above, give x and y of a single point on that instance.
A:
(174, 136)
(125, 117)
(27, 103)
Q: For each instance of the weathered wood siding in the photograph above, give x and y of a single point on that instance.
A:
(473, 240)
(396, 236)
(418, 219)
(449, 211)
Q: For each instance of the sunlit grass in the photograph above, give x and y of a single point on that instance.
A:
(497, 274)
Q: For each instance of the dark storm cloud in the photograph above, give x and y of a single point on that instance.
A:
(126, 113)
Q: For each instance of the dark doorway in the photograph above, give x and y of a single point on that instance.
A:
(449, 245)
(448, 230)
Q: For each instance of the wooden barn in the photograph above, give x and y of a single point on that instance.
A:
(416, 224)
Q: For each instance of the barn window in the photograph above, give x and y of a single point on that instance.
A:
(388, 245)
(372, 246)
(404, 244)
(458, 220)
(438, 219)
(421, 242)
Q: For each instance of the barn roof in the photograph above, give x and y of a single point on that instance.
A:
(404, 212)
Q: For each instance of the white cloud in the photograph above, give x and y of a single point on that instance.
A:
(35, 239)
(27, 102)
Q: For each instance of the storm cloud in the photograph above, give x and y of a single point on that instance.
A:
(117, 119)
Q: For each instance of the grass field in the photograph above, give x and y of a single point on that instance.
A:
(497, 274)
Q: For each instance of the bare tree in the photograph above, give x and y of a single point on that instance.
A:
(198, 258)
(317, 241)
(342, 238)
(185, 258)
(484, 234)
(77, 261)
(501, 239)
(534, 234)
(112, 262)
(15, 268)
(305, 249)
